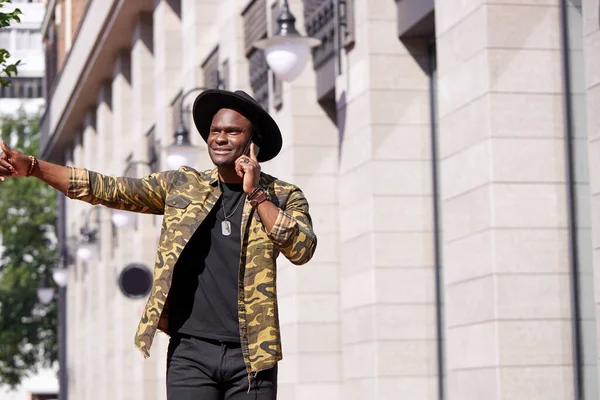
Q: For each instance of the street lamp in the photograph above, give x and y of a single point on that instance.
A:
(45, 292)
(121, 218)
(182, 152)
(60, 276)
(86, 247)
(287, 51)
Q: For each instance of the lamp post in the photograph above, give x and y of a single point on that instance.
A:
(61, 277)
(87, 246)
(121, 218)
(287, 51)
(45, 292)
(181, 151)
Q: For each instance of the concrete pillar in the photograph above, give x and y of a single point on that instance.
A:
(167, 79)
(126, 312)
(74, 345)
(505, 242)
(386, 236)
(142, 82)
(167, 69)
(91, 305)
(199, 37)
(145, 241)
(104, 282)
(308, 295)
(122, 100)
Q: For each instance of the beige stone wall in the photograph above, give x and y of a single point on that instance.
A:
(309, 295)
(387, 283)
(359, 321)
(506, 267)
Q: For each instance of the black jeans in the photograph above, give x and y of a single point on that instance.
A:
(203, 369)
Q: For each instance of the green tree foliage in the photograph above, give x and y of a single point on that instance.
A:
(27, 229)
(5, 20)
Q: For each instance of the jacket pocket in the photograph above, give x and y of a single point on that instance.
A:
(178, 202)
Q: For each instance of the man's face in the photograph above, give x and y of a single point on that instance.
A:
(229, 134)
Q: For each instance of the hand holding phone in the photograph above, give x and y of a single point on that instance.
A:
(248, 168)
(247, 148)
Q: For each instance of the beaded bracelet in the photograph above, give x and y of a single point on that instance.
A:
(34, 162)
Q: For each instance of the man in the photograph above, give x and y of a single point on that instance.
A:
(214, 278)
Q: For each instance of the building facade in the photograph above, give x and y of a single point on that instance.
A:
(443, 147)
(23, 40)
(25, 94)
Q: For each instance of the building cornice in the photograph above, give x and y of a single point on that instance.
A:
(75, 89)
(47, 17)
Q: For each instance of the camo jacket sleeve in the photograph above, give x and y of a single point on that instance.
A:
(292, 232)
(146, 195)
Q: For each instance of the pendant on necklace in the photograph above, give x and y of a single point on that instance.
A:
(226, 228)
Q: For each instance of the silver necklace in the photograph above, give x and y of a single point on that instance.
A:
(226, 225)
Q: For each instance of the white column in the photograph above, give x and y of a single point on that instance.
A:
(145, 239)
(386, 237)
(167, 78)
(126, 313)
(167, 69)
(309, 301)
(91, 305)
(506, 267)
(105, 282)
(200, 25)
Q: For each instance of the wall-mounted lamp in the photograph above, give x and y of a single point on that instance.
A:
(121, 218)
(181, 151)
(45, 292)
(86, 248)
(287, 51)
(60, 274)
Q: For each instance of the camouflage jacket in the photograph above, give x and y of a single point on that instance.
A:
(185, 197)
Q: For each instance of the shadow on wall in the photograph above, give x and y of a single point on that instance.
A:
(341, 122)
(419, 50)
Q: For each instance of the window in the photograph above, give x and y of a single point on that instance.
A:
(255, 28)
(23, 88)
(28, 39)
(320, 22)
(5, 38)
(277, 84)
(210, 67)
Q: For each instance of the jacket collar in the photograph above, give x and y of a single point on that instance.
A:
(214, 177)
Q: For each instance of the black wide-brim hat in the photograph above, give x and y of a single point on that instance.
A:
(209, 102)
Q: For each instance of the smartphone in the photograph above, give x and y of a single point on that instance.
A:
(247, 148)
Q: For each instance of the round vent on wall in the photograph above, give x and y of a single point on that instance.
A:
(135, 281)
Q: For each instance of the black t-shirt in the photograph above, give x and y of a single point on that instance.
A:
(203, 296)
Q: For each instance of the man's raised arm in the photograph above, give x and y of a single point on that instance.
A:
(15, 164)
(146, 195)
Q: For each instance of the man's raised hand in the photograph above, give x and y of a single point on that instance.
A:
(12, 162)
